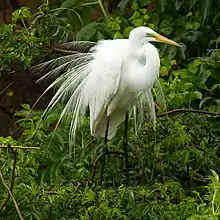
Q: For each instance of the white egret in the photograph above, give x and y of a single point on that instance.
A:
(110, 79)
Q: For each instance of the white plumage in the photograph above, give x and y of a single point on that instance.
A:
(120, 71)
(110, 79)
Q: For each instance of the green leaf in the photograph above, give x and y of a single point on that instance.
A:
(203, 77)
(186, 157)
(161, 5)
(26, 106)
(196, 95)
(204, 7)
(136, 15)
(191, 3)
(151, 26)
(87, 32)
(164, 71)
(192, 25)
(193, 67)
(127, 31)
(186, 86)
(146, 17)
(116, 26)
(68, 4)
(169, 51)
(21, 14)
(135, 6)
(166, 62)
(173, 62)
(183, 73)
(215, 20)
(178, 4)
(216, 176)
(165, 27)
(195, 25)
(118, 35)
(144, 2)
(138, 22)
(143, 11)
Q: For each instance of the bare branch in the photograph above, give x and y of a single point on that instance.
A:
(91, 177)
(10, 193)
(115, 152)
(184, 110)
(12, 177)
(6, 88)
(20, 147)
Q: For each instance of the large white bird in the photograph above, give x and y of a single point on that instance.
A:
(110, 79)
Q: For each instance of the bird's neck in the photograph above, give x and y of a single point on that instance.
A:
(137, 43)
(148, 58)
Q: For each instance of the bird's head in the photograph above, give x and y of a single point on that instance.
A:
(146, 34)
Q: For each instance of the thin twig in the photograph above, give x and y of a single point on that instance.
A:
(12, 72)
(12, 177)
(91, 177)
(199, 177)
(115, 152)
(52, 193)
(184, 110)
(6, 88)
(10, 193)
(188, 176)
(94, 167)
(20, 147)
(13, 168)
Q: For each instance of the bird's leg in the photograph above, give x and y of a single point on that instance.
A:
(125, 144)
(105, 150)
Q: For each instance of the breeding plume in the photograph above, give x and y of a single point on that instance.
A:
(112, 78)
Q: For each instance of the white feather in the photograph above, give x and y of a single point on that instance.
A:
(78, 46)
(103, 82)
(113, 77)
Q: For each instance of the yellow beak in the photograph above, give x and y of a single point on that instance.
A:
(165, 40)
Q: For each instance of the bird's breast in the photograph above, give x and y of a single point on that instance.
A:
(141, 70)
(139, 73)
(139, 78)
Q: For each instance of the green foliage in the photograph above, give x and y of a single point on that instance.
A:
(31, 36)
(51, 181)
(92, 32)
(174, 170)
(21, 45)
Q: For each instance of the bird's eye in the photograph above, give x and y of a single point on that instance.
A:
(148, 35)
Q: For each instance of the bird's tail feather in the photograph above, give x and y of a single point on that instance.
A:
(159, 96)
(145, 106)
(72, 72)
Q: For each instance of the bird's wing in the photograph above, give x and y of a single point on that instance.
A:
(103, 81)
(84, 79)
(159, 97)
(70, 73)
